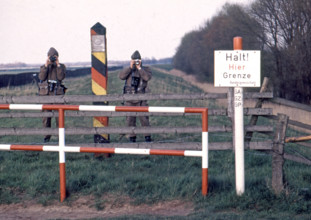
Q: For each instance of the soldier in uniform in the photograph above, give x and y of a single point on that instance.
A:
(51, 75)
(136, 78)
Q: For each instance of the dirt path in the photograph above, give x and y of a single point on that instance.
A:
(206, 87)
(84, 208)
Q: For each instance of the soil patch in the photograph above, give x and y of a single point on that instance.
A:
(85, 208)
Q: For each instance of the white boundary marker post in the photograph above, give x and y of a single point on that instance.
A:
(238, 68)
(239, 130)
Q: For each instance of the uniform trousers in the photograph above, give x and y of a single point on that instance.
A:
(131, 120)
(46, 122)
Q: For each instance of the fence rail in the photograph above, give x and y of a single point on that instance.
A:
(128, 130)
(66, 99)
(212, 112)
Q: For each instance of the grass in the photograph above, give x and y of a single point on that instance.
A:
(150, 179)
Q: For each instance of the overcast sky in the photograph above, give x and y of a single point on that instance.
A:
(154, 27)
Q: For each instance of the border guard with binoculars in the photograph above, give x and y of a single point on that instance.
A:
(51, 75)
(136, 80)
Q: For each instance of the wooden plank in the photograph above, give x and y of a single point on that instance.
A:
(305, 144)
(299, 124)
(110, 130)
(258, 128)
(297, 159)
(262, 145)
(149, 145)
(258, 112)
(120, 97)
(258, 95)
(290, 104)
(219, 128)
(291, 122)
(180, 145)
(100, 130)
(220, 146)
(110, 97)
(125, 130)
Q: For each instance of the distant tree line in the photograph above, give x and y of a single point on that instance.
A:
(13, 65)
(281, 29)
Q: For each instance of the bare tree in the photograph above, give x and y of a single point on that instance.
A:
(287, 35)
(195, 54)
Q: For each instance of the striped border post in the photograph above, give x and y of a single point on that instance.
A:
(62, 160)
(204, 113)
(99, 73)
(62, 148)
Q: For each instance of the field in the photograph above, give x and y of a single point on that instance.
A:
(17, 71)
(144, 187)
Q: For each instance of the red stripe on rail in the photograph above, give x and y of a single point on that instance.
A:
(205, 120)
(64, 107)
(97, 150)
(61, 119)
(167, 152)
(5, 106)
(26, 147)
(194, 110)
(132, 109)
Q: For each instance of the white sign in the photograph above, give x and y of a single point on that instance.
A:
(98, 43)
(237, 68)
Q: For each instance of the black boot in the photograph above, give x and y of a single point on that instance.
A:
(133, 139)
(148, 139)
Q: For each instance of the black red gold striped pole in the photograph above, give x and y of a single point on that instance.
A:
(99, 72)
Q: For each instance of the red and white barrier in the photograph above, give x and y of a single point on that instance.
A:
(77, 149)
(62, 148)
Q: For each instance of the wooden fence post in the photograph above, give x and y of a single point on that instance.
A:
(278, 153)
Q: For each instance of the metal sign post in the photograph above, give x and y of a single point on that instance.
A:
(238, 69)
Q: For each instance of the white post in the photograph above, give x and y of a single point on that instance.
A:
(238, 68)
(239, 130)
(239, 140)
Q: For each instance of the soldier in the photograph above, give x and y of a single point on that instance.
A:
(136, 79)
(51, 75)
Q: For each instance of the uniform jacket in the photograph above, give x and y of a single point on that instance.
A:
(144, 74)
(52, 72)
